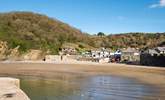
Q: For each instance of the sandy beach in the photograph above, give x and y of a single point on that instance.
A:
(149, 75)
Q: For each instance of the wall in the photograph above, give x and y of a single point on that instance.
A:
(149, 60)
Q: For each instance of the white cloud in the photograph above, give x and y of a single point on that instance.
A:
(160, 4)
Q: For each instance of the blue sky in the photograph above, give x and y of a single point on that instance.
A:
(93, 16)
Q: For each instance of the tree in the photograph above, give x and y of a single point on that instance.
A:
(100, 34)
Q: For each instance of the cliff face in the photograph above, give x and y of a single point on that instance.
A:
(3, 50)
(13, 54)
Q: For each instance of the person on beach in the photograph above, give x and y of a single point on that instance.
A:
(61, 57)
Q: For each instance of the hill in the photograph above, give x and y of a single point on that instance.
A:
(135, 40)
(35, 31)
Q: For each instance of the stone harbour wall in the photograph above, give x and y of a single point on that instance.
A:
(10, 89)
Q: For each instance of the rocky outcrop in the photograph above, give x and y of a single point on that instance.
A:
(10, 90)
(13, 54)
(33, 55)
(3, 50)
(7, 53)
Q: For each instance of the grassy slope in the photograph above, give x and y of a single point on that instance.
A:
(35, 31)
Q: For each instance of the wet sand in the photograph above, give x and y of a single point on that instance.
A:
(150, 75)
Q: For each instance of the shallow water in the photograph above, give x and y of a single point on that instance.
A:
(89, 88)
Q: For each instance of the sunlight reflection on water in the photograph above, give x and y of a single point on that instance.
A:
(99, 87)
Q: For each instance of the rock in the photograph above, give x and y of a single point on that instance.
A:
(14, 54)
(33, 55)
(3, 50)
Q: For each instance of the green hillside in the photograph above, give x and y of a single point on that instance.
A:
(35, 31)
(135, 40)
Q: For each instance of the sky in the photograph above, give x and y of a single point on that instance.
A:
(93, 16)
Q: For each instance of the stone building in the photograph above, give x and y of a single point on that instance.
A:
(131, 55)
(153, 57)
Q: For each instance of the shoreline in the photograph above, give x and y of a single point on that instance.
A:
(74, 62)
(77, 62)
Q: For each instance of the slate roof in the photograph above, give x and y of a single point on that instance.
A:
(156, 50)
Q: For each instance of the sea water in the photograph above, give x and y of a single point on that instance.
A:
(95, 87)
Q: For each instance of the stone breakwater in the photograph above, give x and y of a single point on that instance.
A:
(10, 89)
